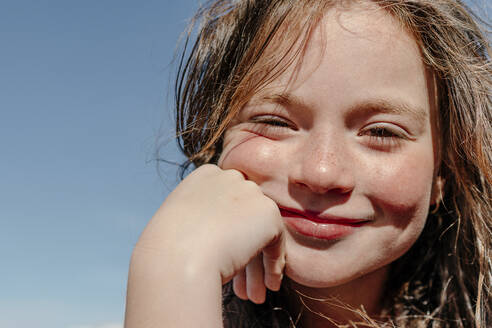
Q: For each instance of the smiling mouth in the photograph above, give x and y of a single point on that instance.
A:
(326, 219)
(320, 226)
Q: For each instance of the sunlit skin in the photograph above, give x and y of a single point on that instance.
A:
(346, 135)
(349, 136)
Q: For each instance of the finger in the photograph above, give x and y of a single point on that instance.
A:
(274, 263)
(255, 286)
(239, 285)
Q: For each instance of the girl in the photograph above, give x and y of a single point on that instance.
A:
(343, 171)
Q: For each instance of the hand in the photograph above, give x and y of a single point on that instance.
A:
(218, 221)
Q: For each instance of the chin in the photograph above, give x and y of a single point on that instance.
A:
(334, 267)
(315, 268)
(314, 278)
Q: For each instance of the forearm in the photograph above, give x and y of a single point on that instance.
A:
(208, 230)
(172, 292)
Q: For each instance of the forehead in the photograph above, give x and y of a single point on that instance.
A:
(356, 52)
(363, 28)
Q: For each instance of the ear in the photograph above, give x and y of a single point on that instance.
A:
(437, 193)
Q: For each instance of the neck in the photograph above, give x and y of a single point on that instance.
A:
(359, 300)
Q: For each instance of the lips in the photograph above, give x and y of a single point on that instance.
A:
(320, 226)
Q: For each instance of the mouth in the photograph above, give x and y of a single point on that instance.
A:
(320, 226)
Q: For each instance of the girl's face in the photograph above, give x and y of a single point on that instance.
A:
(343, 143)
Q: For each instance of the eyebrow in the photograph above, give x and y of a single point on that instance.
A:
(285, 99)
(418, 114)
(366, 107)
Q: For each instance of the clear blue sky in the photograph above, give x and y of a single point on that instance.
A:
(83, 88)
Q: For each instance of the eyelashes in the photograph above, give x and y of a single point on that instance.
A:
(381, 132)
(384, 136)
(272, 121)
(380, 136)
(377, 131)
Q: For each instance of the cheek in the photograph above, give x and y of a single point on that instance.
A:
(256, 157)
(402, 189)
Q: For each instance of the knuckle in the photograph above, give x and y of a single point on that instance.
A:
(235, 174)
(270, 205)
(274, 213)
(208, 167)
(205, 170)
(252, 186)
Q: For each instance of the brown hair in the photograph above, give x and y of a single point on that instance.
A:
(236, 53)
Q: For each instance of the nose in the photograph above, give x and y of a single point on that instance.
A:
(323, 165)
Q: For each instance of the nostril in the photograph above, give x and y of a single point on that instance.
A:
(320, 189)
(302, 185)
(342, 190)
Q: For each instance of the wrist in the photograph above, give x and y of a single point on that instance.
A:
(171, 291)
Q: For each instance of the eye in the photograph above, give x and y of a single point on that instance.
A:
(381, 132)
(383, 135)
(273, 121)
